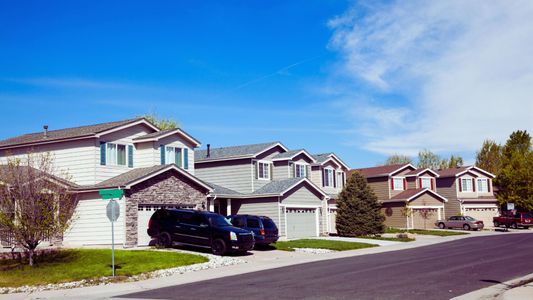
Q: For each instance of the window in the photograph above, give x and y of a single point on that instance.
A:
(173, 155)
(328, 177)
(466, 185)
(425, 182)
(340, 180)
(253, 223)
(299, 170)
(483, 185)
(263, 170)
(115, 154)
(398, 183)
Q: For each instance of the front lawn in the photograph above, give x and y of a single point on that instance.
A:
(77, 264)
(425, 232)
(321, 244)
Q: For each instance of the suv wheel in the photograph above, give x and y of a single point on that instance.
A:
(218, 247)
(514, 226)
(496, 224)
(163, 240)
(466, 227)
(442, 226)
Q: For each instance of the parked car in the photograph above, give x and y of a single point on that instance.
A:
(465, 222)
(519, 219)
(200, 229)
(264, 229)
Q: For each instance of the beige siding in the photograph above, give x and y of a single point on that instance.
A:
(90, 225)
(302, 196)
(261, 206)
(395, 217)
(380, 186)
(426, 200)
(235, 177)
(316, 176)
(412, 183)
(73, 160)
(448, 189)
(281, 171)
(145, 155)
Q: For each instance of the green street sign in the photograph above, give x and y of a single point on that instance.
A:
(111, 194)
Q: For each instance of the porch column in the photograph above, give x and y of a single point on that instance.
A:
(228, 207)
(211, 206)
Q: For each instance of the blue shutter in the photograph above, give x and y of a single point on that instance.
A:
(130, 156)
(186, 158)
(162, 150)
(102, 153)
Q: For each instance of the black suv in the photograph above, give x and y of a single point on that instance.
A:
(264, 229)
(198, 228)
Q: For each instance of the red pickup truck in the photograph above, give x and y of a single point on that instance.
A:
(519, 219)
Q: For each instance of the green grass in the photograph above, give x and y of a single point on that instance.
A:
(425, 232)
(321, 244)
(78, 264)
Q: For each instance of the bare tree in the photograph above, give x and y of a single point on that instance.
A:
(425, 213)
(34, 204)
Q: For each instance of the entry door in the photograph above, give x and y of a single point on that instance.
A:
(301, 222)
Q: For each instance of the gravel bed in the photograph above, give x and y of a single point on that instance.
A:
(313, 250)
(214, 262)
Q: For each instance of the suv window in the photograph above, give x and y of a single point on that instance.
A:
(187, 218)
(268, 223)
(238, 222)
(253, 223)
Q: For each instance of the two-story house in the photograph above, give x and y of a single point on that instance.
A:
(269, 179)
(408, 195)
(469, 191)
(154, 168)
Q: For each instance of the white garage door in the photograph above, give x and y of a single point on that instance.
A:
(301, 222)
(144, 213)
(484, 214)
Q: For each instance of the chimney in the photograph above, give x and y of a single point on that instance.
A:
(45, 127)
(208, 150)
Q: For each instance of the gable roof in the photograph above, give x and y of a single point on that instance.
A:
(417, 172)
(382, 171)
(155, 136)
(43, 175)
(455, 172)
(223, 191)
(280, 187)
(411, 194)
(234, 152)
(322, 158)
(138, 175)
(81, 132)
(292, 154)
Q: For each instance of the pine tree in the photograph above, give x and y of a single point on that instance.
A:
(358, 210)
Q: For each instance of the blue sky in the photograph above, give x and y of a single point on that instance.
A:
(362, 79)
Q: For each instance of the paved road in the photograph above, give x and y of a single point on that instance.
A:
(439, 271)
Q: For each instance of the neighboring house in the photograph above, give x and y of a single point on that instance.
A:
(269, 179)
(469, 191)
(408, 195)
(154, 168)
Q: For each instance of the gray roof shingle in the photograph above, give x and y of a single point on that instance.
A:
(124, 178)
(277, 186)
(61, 134)
(220, 190)
(153, 134)
(288, 154)
(231, 152)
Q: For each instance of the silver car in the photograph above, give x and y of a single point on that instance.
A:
(464, 222)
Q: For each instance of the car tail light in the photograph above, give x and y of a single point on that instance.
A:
(262, 232)
(479, 222)
(150, 223)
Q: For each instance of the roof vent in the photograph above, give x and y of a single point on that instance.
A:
(208, 150)
(45, 127)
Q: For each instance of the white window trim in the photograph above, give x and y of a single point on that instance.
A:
(267, 163)
(395, 188)
(296, 165)
(167, 160)
(463, 190)
(107, 155)
(426, 178)
(486, 185)
(340, 182)
(326, 183)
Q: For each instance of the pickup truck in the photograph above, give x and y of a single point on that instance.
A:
(520, 219)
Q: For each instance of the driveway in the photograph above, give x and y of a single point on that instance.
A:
(440, 271)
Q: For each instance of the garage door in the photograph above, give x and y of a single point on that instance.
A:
(484, 214)
(419, 222)
(332, 221)
(301, 222)
(144, 213)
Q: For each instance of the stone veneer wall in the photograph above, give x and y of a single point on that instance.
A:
(167, 188)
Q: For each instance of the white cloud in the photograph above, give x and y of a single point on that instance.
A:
(465, 66)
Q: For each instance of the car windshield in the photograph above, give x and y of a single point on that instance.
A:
(219, 221)
(267, 223)
(468, 218)
(526, 216)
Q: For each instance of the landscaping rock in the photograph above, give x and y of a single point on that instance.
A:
(313, 250)
(405, 235)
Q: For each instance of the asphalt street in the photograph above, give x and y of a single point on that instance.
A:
(440, 271)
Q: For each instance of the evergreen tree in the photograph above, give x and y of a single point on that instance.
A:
(358, 210)
(396, 159)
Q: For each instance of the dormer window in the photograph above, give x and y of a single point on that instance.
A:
(398, 183)
(426, 182)
(483, 185)
(466, 185)
(328, 177)
(300, 170)
(263, 170)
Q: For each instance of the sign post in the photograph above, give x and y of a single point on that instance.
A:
(113, 212)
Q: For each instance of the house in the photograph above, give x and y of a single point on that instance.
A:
(409, 196)
(154, 167)
(293, 187)
(469, 191)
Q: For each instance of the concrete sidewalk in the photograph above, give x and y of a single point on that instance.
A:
(257, 261)
(510, 290)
